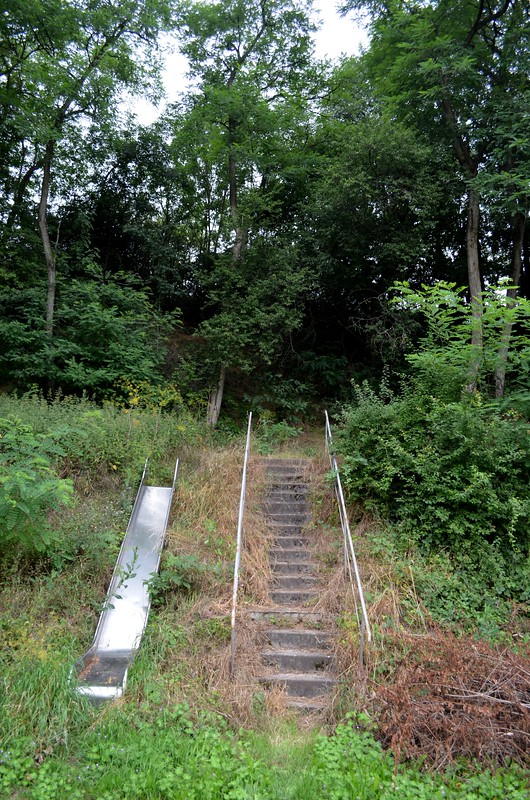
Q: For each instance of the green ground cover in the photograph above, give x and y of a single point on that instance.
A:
(171, 736)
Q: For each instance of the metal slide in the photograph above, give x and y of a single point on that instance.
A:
(102, 671)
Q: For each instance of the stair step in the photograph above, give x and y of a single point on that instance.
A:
(285, 460)
(292, 568)
(307, 705)
(281, 526)
(297, 660)
(287, 506)
(284, 471)
(300, 684)
(286, 554)
(291, 542)
(293, 638)
(283, 488)
(281, 492)
(292, 596)
(284, 530)
(284, 614)
(294, 582)
(286, 479)
(289, 517)
(285, 465)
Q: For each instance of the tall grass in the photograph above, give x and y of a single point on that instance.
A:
(107, 440)
(184, 729)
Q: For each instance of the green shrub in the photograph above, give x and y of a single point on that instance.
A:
(104, 330)
(271, 434)
(448, 472)
(177, 574)
(29, 486)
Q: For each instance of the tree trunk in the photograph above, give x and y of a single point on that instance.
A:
(518, 228)
(475, 287)
(469, 164)
(45, 237)
(18, 195)
(215, 400)
(240, 230)
(524, 291)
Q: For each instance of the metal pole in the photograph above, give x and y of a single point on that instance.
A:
(361, 644)
(354, 561)
(346, 528)
(175, 475)
(238, 547)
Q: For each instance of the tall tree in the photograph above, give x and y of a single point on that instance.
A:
(68, 62)
(450, 62)
(250, 60)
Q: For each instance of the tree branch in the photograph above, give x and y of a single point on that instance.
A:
(481, 23)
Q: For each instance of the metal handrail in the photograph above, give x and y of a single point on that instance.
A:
(351, 568)
(238, 546)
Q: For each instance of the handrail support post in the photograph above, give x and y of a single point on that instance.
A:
(350, 560)
(238, 548)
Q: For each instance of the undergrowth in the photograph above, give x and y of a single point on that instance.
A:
(437, 688)
(184, 728)
(153, 752)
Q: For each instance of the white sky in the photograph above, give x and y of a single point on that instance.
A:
(337, 36)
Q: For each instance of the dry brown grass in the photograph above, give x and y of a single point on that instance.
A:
(457, 698)
(432, 694)
(205, 521)
(196, 668)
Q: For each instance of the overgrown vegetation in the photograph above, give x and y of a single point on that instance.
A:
(181, 711)
(441, 467)
(146, 268)
(184, 729)
(448, 468)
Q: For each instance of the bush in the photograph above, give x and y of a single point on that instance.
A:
(29, 486)
(446, 467)
(102, 332)
(177, 574)
(450, 473)
(272, 435)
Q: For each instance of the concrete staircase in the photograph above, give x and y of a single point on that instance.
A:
(297, 653)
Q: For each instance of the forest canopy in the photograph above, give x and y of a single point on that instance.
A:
(251, 237)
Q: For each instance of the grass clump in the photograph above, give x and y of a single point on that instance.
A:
(150, 752)
(94, 442)
(184, 728)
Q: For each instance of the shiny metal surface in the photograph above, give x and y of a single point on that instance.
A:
(102, 671)
(123, 620)
(237, 562)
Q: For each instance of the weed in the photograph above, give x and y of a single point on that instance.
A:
(272, 435)
(215, 629)
(29, 487)
(177, 574)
